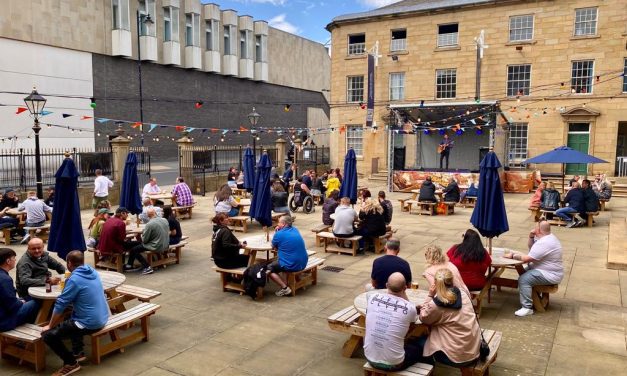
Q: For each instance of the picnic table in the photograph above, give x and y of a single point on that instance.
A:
(110, 281)
(416, 193)
(162, 196)
(244, 205)
(500, 264)
(256, 244)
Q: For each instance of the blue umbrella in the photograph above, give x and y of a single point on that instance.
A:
(261, 204)
(489, 216)
(564, 154)
(66, 230)
(249, 169)
(129, 195)
(349, 184)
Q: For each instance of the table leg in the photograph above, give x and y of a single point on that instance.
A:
(44, 311)
(118, 301)
(252, 256)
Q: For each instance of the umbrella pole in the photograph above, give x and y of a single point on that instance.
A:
(563, 180)
(265, 228)
(490, 246)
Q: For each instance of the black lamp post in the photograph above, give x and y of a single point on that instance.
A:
(35, 104)
(253, 118)
(147, 20)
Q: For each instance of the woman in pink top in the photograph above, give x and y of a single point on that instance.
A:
(436, 259)
(536, 199)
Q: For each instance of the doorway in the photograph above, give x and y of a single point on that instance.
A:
(578, 139)
(621, 150)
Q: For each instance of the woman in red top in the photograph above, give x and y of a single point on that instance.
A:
(472, 260)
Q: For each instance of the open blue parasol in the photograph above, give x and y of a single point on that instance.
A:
(349, 184)
(129, 194)
(66, 230)
(249, 169)
(261, 204)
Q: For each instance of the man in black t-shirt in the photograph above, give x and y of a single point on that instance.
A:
(389, 263)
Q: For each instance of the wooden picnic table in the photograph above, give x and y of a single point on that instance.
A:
(162, 196)
(416, 193)
(416, 297)
(255, 244)
(500, 264)
(110, 281)
(244, 205)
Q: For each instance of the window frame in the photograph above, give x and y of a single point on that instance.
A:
(595, 21)
(515, 156)
(194, 26)
(438, 39)
(398, 47)
(245, 44)
(356, 49)
(118, 21)
(350, 89)
(147, 7)
(437, 85)
(355, 139)
(400, 89)
(625, 75)
(512, 18)
(230, 39)
(573, 78)
(261, 48)
(518, 88)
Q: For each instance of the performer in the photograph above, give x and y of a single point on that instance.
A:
(445, 149)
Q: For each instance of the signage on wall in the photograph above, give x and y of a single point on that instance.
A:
(370, 103)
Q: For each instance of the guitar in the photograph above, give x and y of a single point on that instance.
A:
(443, 147)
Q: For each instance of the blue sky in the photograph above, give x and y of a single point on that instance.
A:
(306, 18)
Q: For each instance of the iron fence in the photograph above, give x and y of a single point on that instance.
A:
(17, 167)
(313, 157)
(621, 166)
(143, 164)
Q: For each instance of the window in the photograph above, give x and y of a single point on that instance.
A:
(245, 47)
(399, 40)
(585, 21)
(145, 8)
(625, 77)
(261, 42)
(120, 14)
(170, 24)
(230, 46)
(354, 139)
(397, 86)
(520, 28)
(357, 44)
(192, 29)
(448, 35)
(582, 73)
(355, 89)
(517, 144)
(445, 83)
(211, 35)
(518, 80)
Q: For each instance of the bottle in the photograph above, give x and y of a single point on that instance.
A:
(48, 285)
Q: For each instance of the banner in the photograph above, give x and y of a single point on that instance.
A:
(370, 103)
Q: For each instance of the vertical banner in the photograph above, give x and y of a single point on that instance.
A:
(370, 104)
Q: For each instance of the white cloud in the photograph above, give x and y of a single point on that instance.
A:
(281, 23)
(377, 3)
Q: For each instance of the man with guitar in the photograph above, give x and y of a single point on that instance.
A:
(445, 149)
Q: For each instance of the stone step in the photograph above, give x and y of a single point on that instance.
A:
(617, 244)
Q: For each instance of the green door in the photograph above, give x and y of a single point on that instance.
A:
(578, 141)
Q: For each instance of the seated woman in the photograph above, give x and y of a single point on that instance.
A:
(550, 198)
(436, 259)
(602, 187)
(372, 221)
(455, 336)
(225, 202)
(104, 204)
(225, 246)
(471, 259)
(279, 199)
(96, 229)
(330, 204)
(173, 224)
(536, 199)
(240, 180)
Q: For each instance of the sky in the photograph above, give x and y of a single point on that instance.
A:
(306, 18)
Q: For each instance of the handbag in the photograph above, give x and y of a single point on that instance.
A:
(484, 348)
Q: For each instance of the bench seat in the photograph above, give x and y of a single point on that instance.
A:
(469, 202)
(6, 235)
(450, 207)
(113, 261)
(184, 211)
(25, 344)
(171, 256)
(535, 212)
(318, 229)
(239, 223)
(418, 369)
(233, 280)
(330, 239)
(540, 296)
(40, 232)
(482, 367)
(117, 322)
(426, 207)
(590, 218)
(351, 322)
(308, 276)
(142, 294)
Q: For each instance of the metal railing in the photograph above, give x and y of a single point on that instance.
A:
(398, 45)
(621, 166)
(357, 48)
(447, 40)
(143, 164)
(17, 167)
(313, 157)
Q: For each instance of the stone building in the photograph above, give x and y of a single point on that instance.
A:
(202, 67)
(554, 69)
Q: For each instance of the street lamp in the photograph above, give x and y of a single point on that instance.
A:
(253, 118)
(35, 104)
(142, 19)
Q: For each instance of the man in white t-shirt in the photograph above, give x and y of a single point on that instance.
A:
(151, 189)
(389, 317)
(101, 188)
(545, 265)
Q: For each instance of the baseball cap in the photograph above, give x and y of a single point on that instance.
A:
(104, 211)
(121, 209)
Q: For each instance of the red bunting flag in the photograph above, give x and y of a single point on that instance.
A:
(86, 117)
(342, 129)
(242, 129)
(180, 128)
(20, 110)
(214, 130)
(136, 124)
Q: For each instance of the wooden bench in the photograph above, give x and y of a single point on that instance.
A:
(409, 204)
(38, 232)
(277, 216)
(113, 261)
(305, 277)
(25, 344)
(590, 219)
(169, 257)
(535, 212)
(239, 223)
(122, 321)
(351, 322)
(602, 202)
(379, 243)
(318, 229)
(184, 211)
(450, 207)
(425, 207)
(469, 202)
(540, 296)
(330, 246)
(233, 280)
(418, 369)
(6, 235)
(482, 367)
(555, 220)
(403, 201)
(142, 294)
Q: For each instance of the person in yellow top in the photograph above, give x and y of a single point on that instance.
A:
(333, 183)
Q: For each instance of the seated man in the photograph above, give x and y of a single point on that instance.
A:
(427, 191)
(90, 312)
(151, 189)
(113, 234)
(291, 251)
(388, 209)
(14, 312)
(181, 194)
(545, 264)
(387, 349)
(451, 192)
(344, 218)
(143, 216)
(35, 212)
(575, 202)
(329, 206)
(32, 269)
(384, 266)
(590, 201)
(156, 238)
(49, 200)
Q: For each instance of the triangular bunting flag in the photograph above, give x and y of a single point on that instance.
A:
(102, 120)
(66, 115)
(136, 124)
(190, 129)
(86, 117)
(20, 110)
(180, 128)
(214, 130)
(242, 129)
(473, 121)
(225, 131)
(44, 113)
(152, 127)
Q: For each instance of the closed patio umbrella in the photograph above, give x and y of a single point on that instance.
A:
(349, 184)
(261, 204)
(66, 230)
(129, 194)
(249, 169)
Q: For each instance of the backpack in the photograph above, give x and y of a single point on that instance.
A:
(254, 277)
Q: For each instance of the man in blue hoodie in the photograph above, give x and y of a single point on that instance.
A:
(83, 290)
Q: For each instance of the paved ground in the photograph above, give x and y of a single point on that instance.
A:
(201, 330)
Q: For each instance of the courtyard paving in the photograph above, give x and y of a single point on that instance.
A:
(201, 330)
